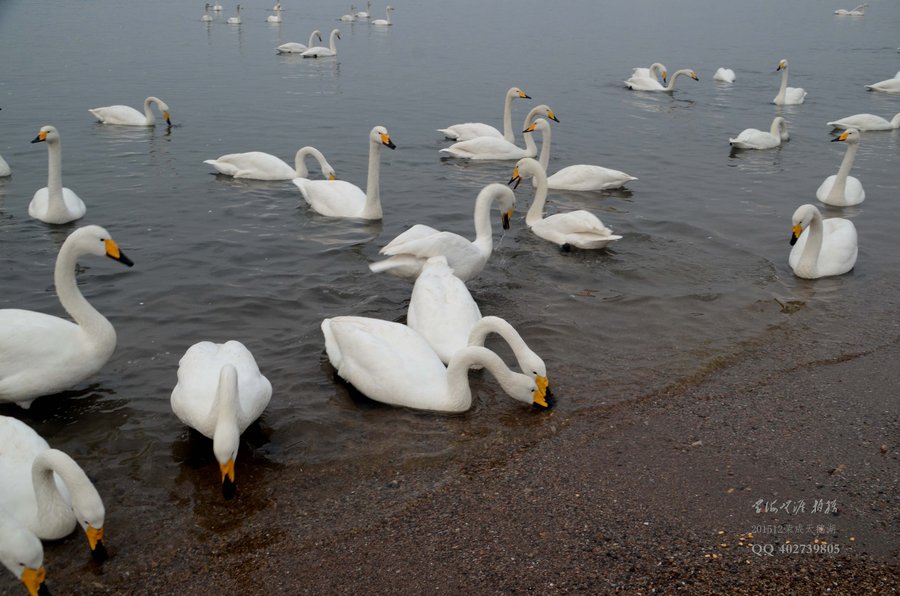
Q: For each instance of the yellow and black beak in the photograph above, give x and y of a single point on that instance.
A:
(42, 136)
(780, 66)
(332, 177)
(34, 581)
(113, 252)
(228, 486)
(694, 76)
(523, 95)
(515, 178)
(504, 218)
(665, 76)
(386, 141)
(843, 136)
(166, 116)
(795, 235)
(95, 540)
(552, 115)
(540, 394)
(531, 128)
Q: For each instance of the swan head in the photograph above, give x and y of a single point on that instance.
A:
(542, 110)
(163, 108)
(540, 125)
(90, 512)
(803, 216)
(527, 167)
(23, 554)
(227, 435)
(782, 65)
(380, 136)
(318, 34)
(851, 136)
(505, 199)
(659, 68)
(94, 240)
(516, 92)
(48, 134)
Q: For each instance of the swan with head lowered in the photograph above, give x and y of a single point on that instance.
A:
(580, 177)
(292, 47)
(41, 354)
(842, 189)
(821, 247)
(580, 228)
(495, 148)
(338, 198)
(648, 84)
(54, 204)
(752, 138)
(256, 165)
(321, 51)
(408, 252)
(887, 85)
(45, 490)
(392, 363)
(472, 130)
(866, 122)
(787, 96)
(23, 554)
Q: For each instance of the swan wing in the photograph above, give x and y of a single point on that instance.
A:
(39, 208)
(470, 130)
(839, 246)
(19, 445)
(486, 148)
(752, 138)
(254, 165)
(725, 75)
(578, 228)
(794, 95)
(292, 47)
(643, 84)
(416, 232)
(886, 86)
(317, 51)
(854, 193)
(588, 177)
(124, 115)
(862, 122)
(332, 198)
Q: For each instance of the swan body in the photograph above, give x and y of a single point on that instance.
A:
(337, 198)
(726, 75)
(787, 96)
(580, 229)
(45, 490)
(495, 148)
(752, 138)
(853, 12)
(41, 354)
(274, 18)
(392, 363)
(217, 7)
(4, 168)
(364, 14)
(23, 554)
(220, 392)
(128, 116)
(54, 204)
(206, 16)
(350, 17)
(821, 248)
(887, 85)
(385, 22)
(649, 84)
(292, 47)
(236, 19)
(866, 122)
(580, 177)
(320, 51)
(408, 252)
(842, 189)
(256, 165)
(472, 130)
(655, 72)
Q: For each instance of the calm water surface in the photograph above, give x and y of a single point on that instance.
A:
(700, 269)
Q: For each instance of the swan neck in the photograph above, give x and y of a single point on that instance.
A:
(226, 406)
(54, 514)
(484, 232)
(300, 161)
(536, 210)
(507, 118)
(73, 301)
(810, 257)
(544, 159)
(332, 40)
(783, 88)
(459, 391)
(148, 109)
(54, 170)
(847, 162)
(372, 208)
(491, 324)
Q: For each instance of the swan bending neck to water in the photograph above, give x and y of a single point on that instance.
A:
(54, 204)
(787, 96)
(821, 247)
(256, 165)
(472, 130)
(128, 116)
(891, 85)
(842, 189)
(319, 51)
(648, 84)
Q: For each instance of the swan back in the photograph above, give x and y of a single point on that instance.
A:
(821, 248)
(726, 75)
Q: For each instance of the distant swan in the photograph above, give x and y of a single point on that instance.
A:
(349, 18)
(41, 354)
(408, 252)
(648, 84)
(23, 554)
(274, 18)
(319, 51)
(338, 198)
(841, 189)
(236, 19)
(495, 148)
(580, 229)
(128, 116)
(217, 7)
(887, 85)
(256, 165)
(364, 14)
(292, 47)
(206, 16)
(752, 138)
(787, 96)
(471, 130)
(656, 70)
(386, 22)
(866, 122)
(54, 203)
(821, 247)
(853, 12)
(726, 75)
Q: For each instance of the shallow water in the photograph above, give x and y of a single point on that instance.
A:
(700, 270)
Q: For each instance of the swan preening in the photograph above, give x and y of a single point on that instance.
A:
(408, 252)
(649, 84)
(236, 19)
(887, 85)
(392, 363)
(726, 75)
(752, 138)
(41, 354)
(220, 392)
(853, 12)
(472, 130)
(787, 96)
(256, 165)
(656, 70)
(867, 122)
(385, 22)
(128, 116)
(580, 229)
(23, 554)
(821, 247)
(842, 189)
(54, 203)
(338, 198)
(320, 51)
(495, 148)
(292, 47)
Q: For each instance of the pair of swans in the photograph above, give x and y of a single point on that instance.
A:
(337, 198)
(128, 116)
(887, 85)
(496, 148)
(256, 165)
(293, 47)
(853, 12)
(725, 75)
(54, 203)
(473, 130)
(408, 252)
(236, 19)
(656, 71)
(580, 228)
(385, 22)
(866, 122)
(41, 354)
(651, 84)
(321, 51)
(787, 96)
(752, 138)
(821, 248)
(220, 392)
(842, 189)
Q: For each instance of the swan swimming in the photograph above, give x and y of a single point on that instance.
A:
(472, 130)
(236, 19)
(54, 203)
(386, 22)
(256, 165)
(128, 116)
(495, 148)
(787, 96)
(322, 52)
(648, 84)
(842, 189)
(821, 248)
(206, 16)
(752, 138)
(853, 12)
(292, 47)
(656, 70)
(887, 85)
(217, 7)
(725, 75)
(23, 554)
(351, 17)
(866, 122)
(364, 14)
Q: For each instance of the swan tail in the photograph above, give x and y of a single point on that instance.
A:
(400, 265)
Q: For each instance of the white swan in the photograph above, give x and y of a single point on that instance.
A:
(41, 354)
(472, 130)
(128, 116)
(321, 52)
(274, 18)
(351, 17)
(409, 251)
(578, 177)
(206, 16)
(54, 203)
(23, 554)
(752, 138)
(726, 75)
(392, 363)
(580, 229)
(496, 148)
(292, 47)
(821, 247)
(364, 14)
(648, 84)
(654, 73)
(338, 198)
(842, 189)
(386, 22)
(866, 122)
(256, 165)
(45, 490)
(887, 85)
(853, 12)
(787, 96)
(236, 19)
(217, 7)
(220, 392)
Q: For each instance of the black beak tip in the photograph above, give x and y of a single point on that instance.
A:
(44, 590)
(391, 145)
(125, 260)
(99, 554)
(505, 220)
(793, 240)
(836, 139)
(526, 96)
(36, 140)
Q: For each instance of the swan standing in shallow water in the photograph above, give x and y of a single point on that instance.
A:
(579, 177)
(726, 75)
(787, 96)
(648, 84)
(236, 19)
(128, 116)
(821, 247)
(338, 198)
(497, 148)
(866, 122)
(472, 130)
(842, 189)
(220, 392)
(752, 138)
(580, 229)
(385, 22)
(392, 363)
(853, 12)
(656, 70)
(887, 85)
(292, 47)
(320, 51)
(54, 204)
(23, 554)
(408, 252)
(256, 165)
(41, 354)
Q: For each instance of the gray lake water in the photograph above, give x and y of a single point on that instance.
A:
(700, 271)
